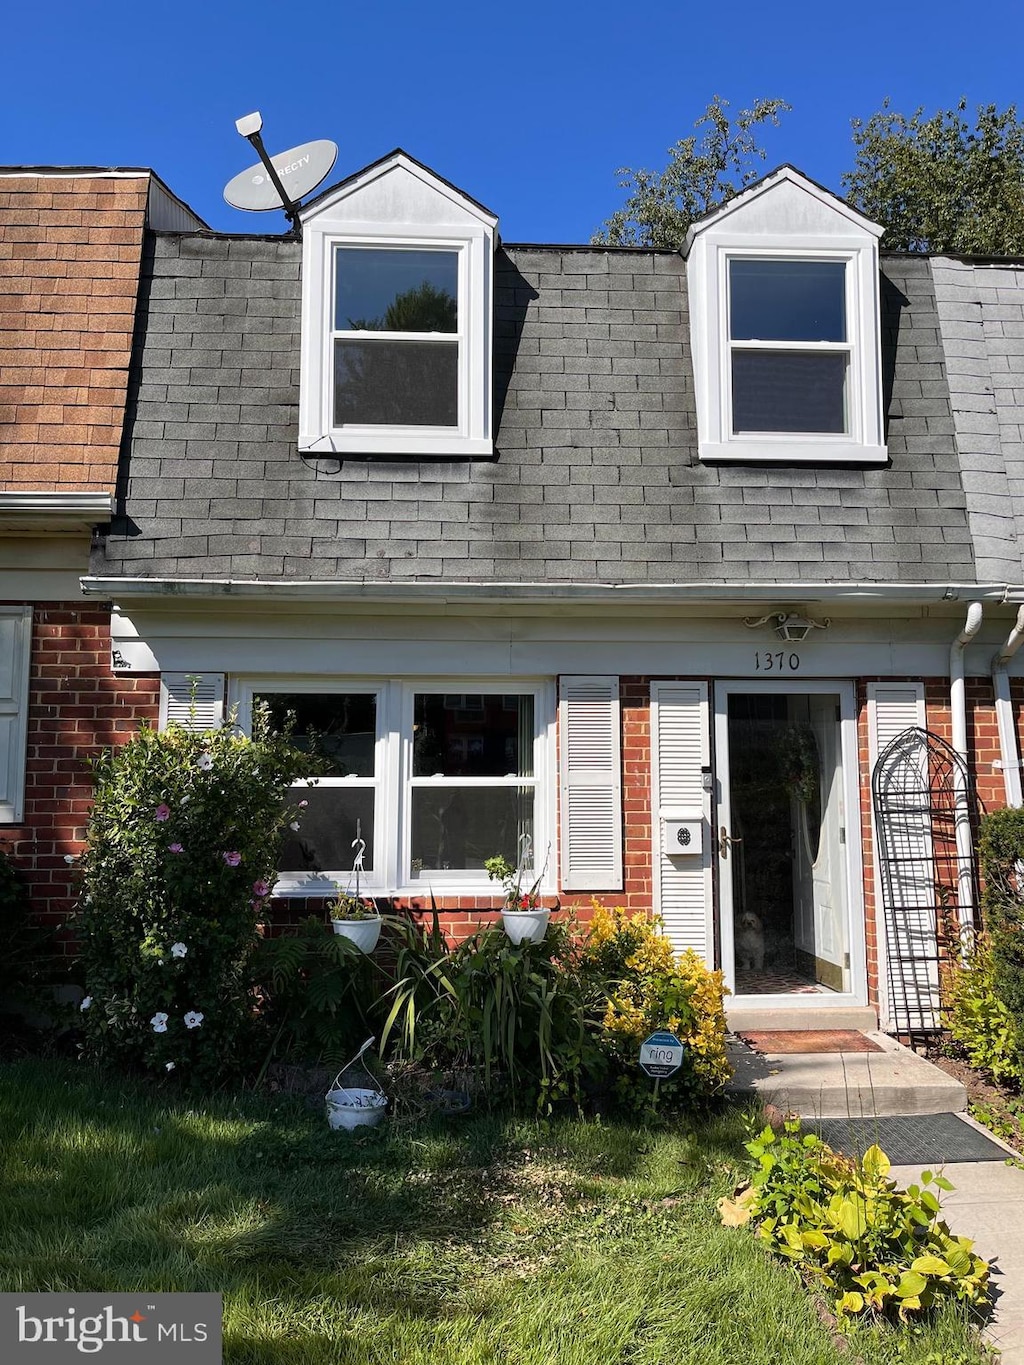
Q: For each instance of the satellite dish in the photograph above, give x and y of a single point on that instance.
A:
(300, 170)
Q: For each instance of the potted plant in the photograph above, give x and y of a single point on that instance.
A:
(355, 919)
(524, 919)
(352, 917)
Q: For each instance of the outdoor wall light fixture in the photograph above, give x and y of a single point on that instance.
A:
(788, 625)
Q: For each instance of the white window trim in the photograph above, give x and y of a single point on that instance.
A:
(711, 249)
(317, 432)
(391, 875)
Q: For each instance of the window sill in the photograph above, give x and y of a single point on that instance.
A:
(447, 447)
(761, 450)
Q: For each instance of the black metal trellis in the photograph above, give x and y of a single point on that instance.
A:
(926, 816)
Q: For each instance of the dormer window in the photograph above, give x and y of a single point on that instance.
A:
(784, 326)
(790, 350)
(396, 337)
(396, 317)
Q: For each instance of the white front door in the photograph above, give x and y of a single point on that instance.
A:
(790, 921)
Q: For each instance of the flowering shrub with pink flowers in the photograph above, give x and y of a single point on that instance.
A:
(183, 840)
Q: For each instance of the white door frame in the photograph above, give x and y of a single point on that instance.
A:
(858, 995)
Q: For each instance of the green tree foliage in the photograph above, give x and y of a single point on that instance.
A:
(939, 184)
(423, 309)
(702, 172)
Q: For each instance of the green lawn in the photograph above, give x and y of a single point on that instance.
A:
(479, 1240)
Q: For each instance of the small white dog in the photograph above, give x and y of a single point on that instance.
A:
(749, 942)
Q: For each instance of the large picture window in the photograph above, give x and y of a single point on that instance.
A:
(434, 781)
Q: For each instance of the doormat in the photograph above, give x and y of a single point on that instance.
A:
(928, 1139)
(810, 1040)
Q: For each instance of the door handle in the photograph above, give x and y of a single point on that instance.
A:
(725, 839)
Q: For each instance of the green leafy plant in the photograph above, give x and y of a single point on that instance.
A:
(27, 959)
(351, 908)
(978, 1021)
(315, 988)
(499, 869)
(514, 1013)
(1001, 856)
(638, 984)
(872, 1247)
(183, 841)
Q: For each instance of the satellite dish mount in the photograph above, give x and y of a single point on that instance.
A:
(262, 187)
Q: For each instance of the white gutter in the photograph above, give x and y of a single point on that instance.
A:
(1009, 751)
(658, 594)
(958, 709)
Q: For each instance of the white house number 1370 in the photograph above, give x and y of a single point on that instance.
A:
(775, 661)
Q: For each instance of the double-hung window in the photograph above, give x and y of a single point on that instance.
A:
(397, 285)
(396, 337)
(789, 346)
(785, 327)
(433, 781)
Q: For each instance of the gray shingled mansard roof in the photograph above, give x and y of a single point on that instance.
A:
(596, 478)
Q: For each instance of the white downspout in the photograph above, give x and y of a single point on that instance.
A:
(1009, 751)
(958, 709)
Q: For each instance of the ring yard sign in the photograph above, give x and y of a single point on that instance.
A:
(661, 1055)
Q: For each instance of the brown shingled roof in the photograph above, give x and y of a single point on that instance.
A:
(70, 257)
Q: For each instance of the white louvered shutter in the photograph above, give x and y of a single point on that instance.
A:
(591, 783)
(15, 646)
(192, 700)
(680, 747)
(911, 985)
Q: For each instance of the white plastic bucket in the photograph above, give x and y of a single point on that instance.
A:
(352, 1107)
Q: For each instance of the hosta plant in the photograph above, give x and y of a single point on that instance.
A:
(870, 1246)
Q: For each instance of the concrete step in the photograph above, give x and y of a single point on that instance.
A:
(746, 1018)
(894, 1081)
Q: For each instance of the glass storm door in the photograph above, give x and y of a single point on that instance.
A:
(785, 802)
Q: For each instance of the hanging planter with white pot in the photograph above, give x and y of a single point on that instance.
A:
(525, 926)
(352, 917)
(355, 1106)
(523, 918)
(363, 932)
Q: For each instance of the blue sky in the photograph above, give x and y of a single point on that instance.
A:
(530, 107)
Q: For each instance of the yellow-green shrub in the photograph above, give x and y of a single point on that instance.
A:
(648, 986)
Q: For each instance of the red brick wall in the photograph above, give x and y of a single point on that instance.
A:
(76, 708)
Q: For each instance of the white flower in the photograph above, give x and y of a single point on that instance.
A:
(294, 825)
(205, 763)
(159, 1022)
(184, 801)
(168, 1066)
(178, 950)
(86, 1002)
(193, 1019)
